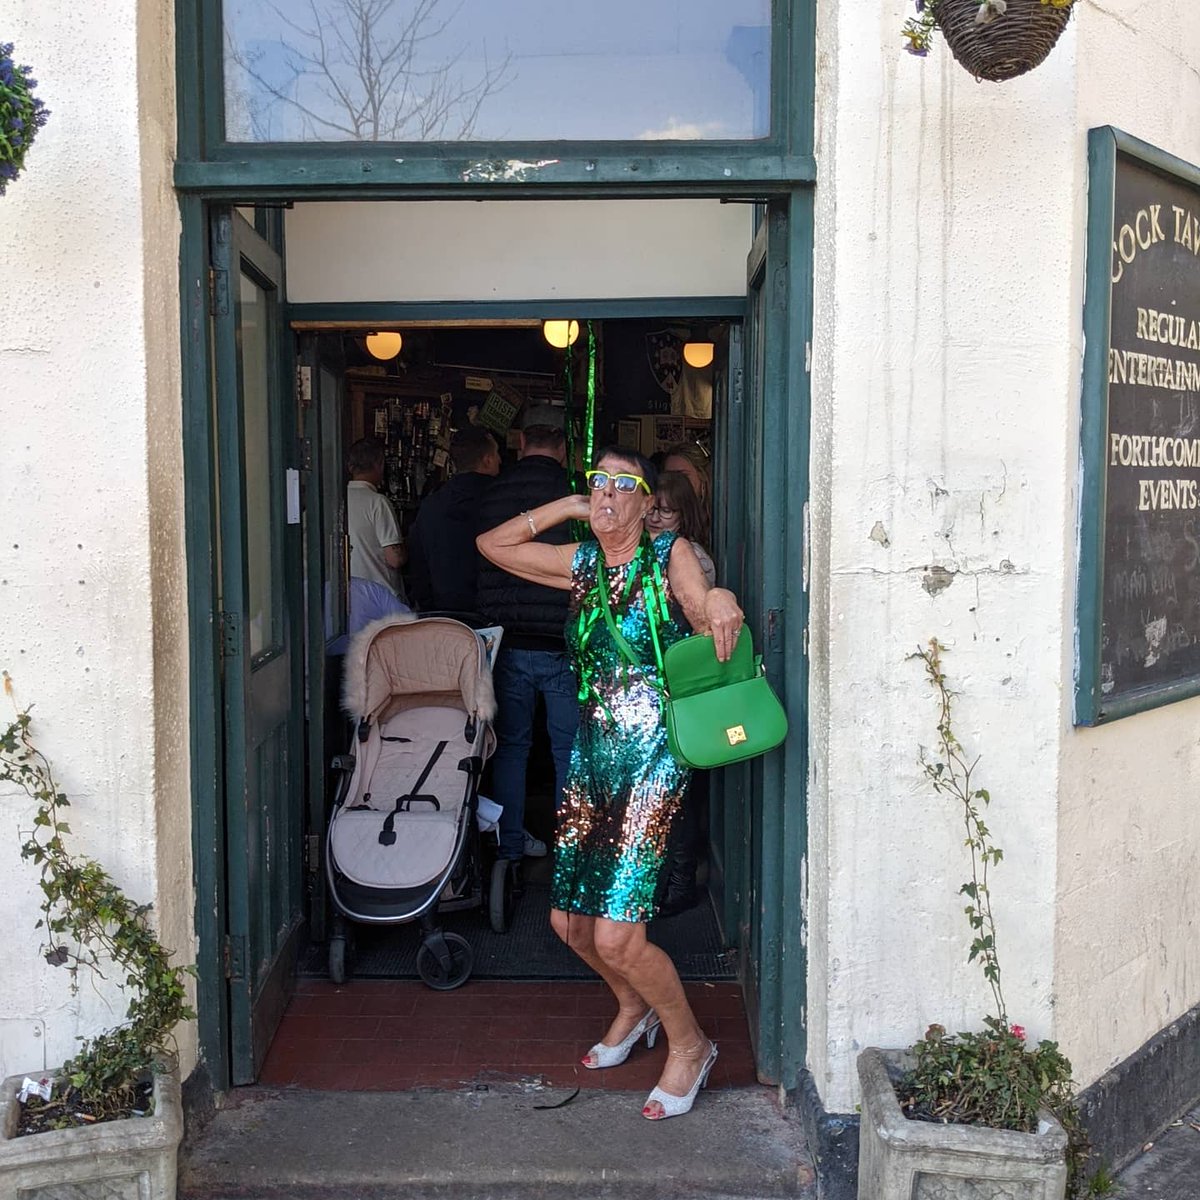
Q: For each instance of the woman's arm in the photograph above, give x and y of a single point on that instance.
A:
(512, 548)
(709, 609)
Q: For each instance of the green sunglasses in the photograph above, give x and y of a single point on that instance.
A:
(623, 482)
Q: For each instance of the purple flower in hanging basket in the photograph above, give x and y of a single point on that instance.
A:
(22, 114)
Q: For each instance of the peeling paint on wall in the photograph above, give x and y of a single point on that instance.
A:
(937, 579)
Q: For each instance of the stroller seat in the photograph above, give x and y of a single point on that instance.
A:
(402, 841)
(401, 828)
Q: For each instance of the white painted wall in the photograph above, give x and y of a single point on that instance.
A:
(508, 250)
(92, 623)
(947, 352)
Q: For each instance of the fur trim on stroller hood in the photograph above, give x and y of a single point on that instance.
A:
(436, 655)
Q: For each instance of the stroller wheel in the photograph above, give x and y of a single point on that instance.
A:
(441, 975)
(337, 959)
(500, 895)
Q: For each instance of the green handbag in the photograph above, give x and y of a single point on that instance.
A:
(719, 712)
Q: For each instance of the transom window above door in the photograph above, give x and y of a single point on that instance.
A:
(496, 70)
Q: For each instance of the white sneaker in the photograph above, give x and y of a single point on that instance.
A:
(534, 847)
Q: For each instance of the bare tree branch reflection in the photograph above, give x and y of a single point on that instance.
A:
(364, 70)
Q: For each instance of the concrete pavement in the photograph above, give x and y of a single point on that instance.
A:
(1170, 1168)
(495, 1142)
(502, 1140)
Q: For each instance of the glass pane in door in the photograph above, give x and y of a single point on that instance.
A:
(496, 70)
(260, 478)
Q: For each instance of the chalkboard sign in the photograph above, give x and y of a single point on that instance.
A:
(1139, 593)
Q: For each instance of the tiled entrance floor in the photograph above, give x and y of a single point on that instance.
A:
(381, 1035)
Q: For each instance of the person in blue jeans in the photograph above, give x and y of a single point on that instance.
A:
(533, 658)
(520, 676)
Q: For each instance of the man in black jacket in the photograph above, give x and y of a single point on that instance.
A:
(533, 655)
(443, 563)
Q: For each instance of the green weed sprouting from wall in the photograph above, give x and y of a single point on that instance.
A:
(993, 1076)
(89, 924)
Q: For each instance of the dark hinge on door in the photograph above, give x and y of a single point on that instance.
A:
(304, 454)
(218, 292)
(231, 635)
(234, 955)
(314, 854)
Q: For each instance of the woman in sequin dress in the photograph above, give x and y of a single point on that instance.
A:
(625, 786)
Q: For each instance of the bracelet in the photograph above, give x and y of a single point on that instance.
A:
(532, 526)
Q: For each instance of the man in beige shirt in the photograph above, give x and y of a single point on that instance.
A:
(376, 545)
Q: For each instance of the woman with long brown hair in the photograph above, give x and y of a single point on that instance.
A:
(676, 509)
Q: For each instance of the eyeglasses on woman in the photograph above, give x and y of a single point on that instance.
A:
(621, 480)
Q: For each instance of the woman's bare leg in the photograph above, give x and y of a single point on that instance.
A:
(623, 947)
(579, 934)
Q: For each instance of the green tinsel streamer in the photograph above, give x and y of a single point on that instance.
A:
(569, 419)
(590, 430)
(579, 529)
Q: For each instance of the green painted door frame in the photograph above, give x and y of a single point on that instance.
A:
(779, 843)
(763, 813)
(761, 533)
(327, 576)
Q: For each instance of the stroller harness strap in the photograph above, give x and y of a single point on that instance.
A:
(387, 835)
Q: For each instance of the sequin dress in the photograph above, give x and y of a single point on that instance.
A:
(624, 788)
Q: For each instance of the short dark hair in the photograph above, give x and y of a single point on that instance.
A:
(544, 437)
(365, 455)
(470, 446)
(645, 468)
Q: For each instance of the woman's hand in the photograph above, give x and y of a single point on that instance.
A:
(511, 546)
(725, 619)
(580, 507)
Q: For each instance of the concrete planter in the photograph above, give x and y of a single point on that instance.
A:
(132, 1159)
(899, 1159)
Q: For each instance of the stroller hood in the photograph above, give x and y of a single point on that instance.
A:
(434, 661)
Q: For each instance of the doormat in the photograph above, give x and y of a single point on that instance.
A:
(530, 949)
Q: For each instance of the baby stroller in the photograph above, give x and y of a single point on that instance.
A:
(403, 840)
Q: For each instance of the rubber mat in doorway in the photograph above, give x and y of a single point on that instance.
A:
(530, 949)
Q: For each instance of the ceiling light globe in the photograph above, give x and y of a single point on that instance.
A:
(384, 345)
(560, 334)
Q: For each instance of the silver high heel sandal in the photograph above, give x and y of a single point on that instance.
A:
(614, 1056)
(676, 1106)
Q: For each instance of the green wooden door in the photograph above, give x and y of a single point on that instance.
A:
(260, 582)
(764, 473)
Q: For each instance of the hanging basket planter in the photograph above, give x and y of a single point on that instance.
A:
(993, 40)
(22, 114)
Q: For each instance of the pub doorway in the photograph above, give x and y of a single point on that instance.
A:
(286, 406)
